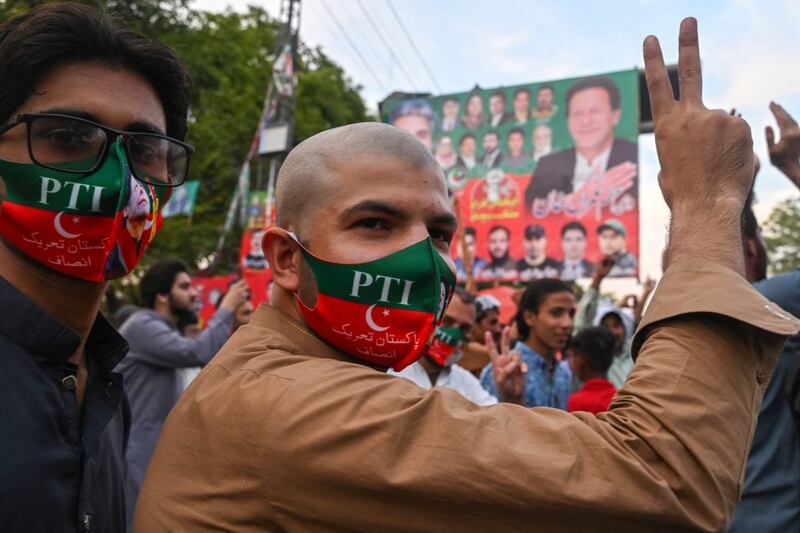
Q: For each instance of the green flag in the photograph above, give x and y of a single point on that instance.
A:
(183, 200)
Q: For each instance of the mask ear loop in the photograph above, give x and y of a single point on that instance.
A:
(437, 293)
(293, 236)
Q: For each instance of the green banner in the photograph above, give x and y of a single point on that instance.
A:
(183, 200)
(546, 173)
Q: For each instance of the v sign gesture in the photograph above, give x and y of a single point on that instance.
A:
(706, 158)
(508, 369)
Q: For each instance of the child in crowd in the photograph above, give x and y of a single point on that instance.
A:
(592, 354)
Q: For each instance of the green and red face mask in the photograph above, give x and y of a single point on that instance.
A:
(447, 347)
(382, 311)
(94, 227)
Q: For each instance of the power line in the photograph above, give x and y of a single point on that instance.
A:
(386, 44)
(348, 52)
(362, 37)
(399, 53)
(413, 45)
(353, 46)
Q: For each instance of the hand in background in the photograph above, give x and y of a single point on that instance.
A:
(237, 294)
(785, 154)
(603, 268)
(508, 369)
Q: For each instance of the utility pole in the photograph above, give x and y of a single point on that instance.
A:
(273, 136)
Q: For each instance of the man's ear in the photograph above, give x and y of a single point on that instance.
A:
(615, 115)
(750, 249)
(284, 256)
(162, 298)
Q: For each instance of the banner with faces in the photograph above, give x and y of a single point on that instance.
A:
(546, 173)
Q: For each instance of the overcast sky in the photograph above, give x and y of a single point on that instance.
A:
(749, 51)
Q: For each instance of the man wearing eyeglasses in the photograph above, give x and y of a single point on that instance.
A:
(91, 118)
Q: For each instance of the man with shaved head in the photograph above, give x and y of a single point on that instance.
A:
(294, 426)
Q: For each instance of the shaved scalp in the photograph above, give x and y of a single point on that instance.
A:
(311, 167)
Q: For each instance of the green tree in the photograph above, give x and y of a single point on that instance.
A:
(230, 58)
(782, 235)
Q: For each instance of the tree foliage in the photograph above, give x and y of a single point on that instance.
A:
(782, 235)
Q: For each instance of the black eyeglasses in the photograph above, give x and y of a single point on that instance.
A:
(79, 146)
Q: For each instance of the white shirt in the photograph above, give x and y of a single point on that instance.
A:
(541, 152)
(453, 377)
(586, 170)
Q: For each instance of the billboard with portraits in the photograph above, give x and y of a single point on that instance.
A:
(546, 173)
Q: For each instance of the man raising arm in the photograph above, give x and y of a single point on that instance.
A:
(291, 427)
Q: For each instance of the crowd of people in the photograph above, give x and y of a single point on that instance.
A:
(373, 392)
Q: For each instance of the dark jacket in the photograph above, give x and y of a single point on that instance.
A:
(61, 470)
(770, 500)
(555, 171)
(157, 350)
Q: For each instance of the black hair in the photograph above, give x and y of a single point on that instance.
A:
(546, 86)
(599, 82)
(596, 346)
(49, 35)
(469, 230)
(574, 224)
(749, 222)
(492, 132)
(515, 130)
(499, 227)
(465, 137)
(158, 279)
(523, 90)
(533, 296)
(451, 99)
(501, 94)
(186, 320)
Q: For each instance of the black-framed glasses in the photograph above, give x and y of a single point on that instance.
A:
(79, 146)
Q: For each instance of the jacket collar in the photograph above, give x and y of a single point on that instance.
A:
(29, 326)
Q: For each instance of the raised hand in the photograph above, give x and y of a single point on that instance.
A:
(603, 269)
(237, 294)
(785, 154)
(508, 369)
(706, 158)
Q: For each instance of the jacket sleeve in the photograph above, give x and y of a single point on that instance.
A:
(155, 342)
(308, 442)
(669, 454)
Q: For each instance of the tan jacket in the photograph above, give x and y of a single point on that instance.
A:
(281, 432)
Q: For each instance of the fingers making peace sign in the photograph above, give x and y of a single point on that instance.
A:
(508, 369)
(706, 158)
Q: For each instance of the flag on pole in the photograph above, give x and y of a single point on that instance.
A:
(183, 200)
